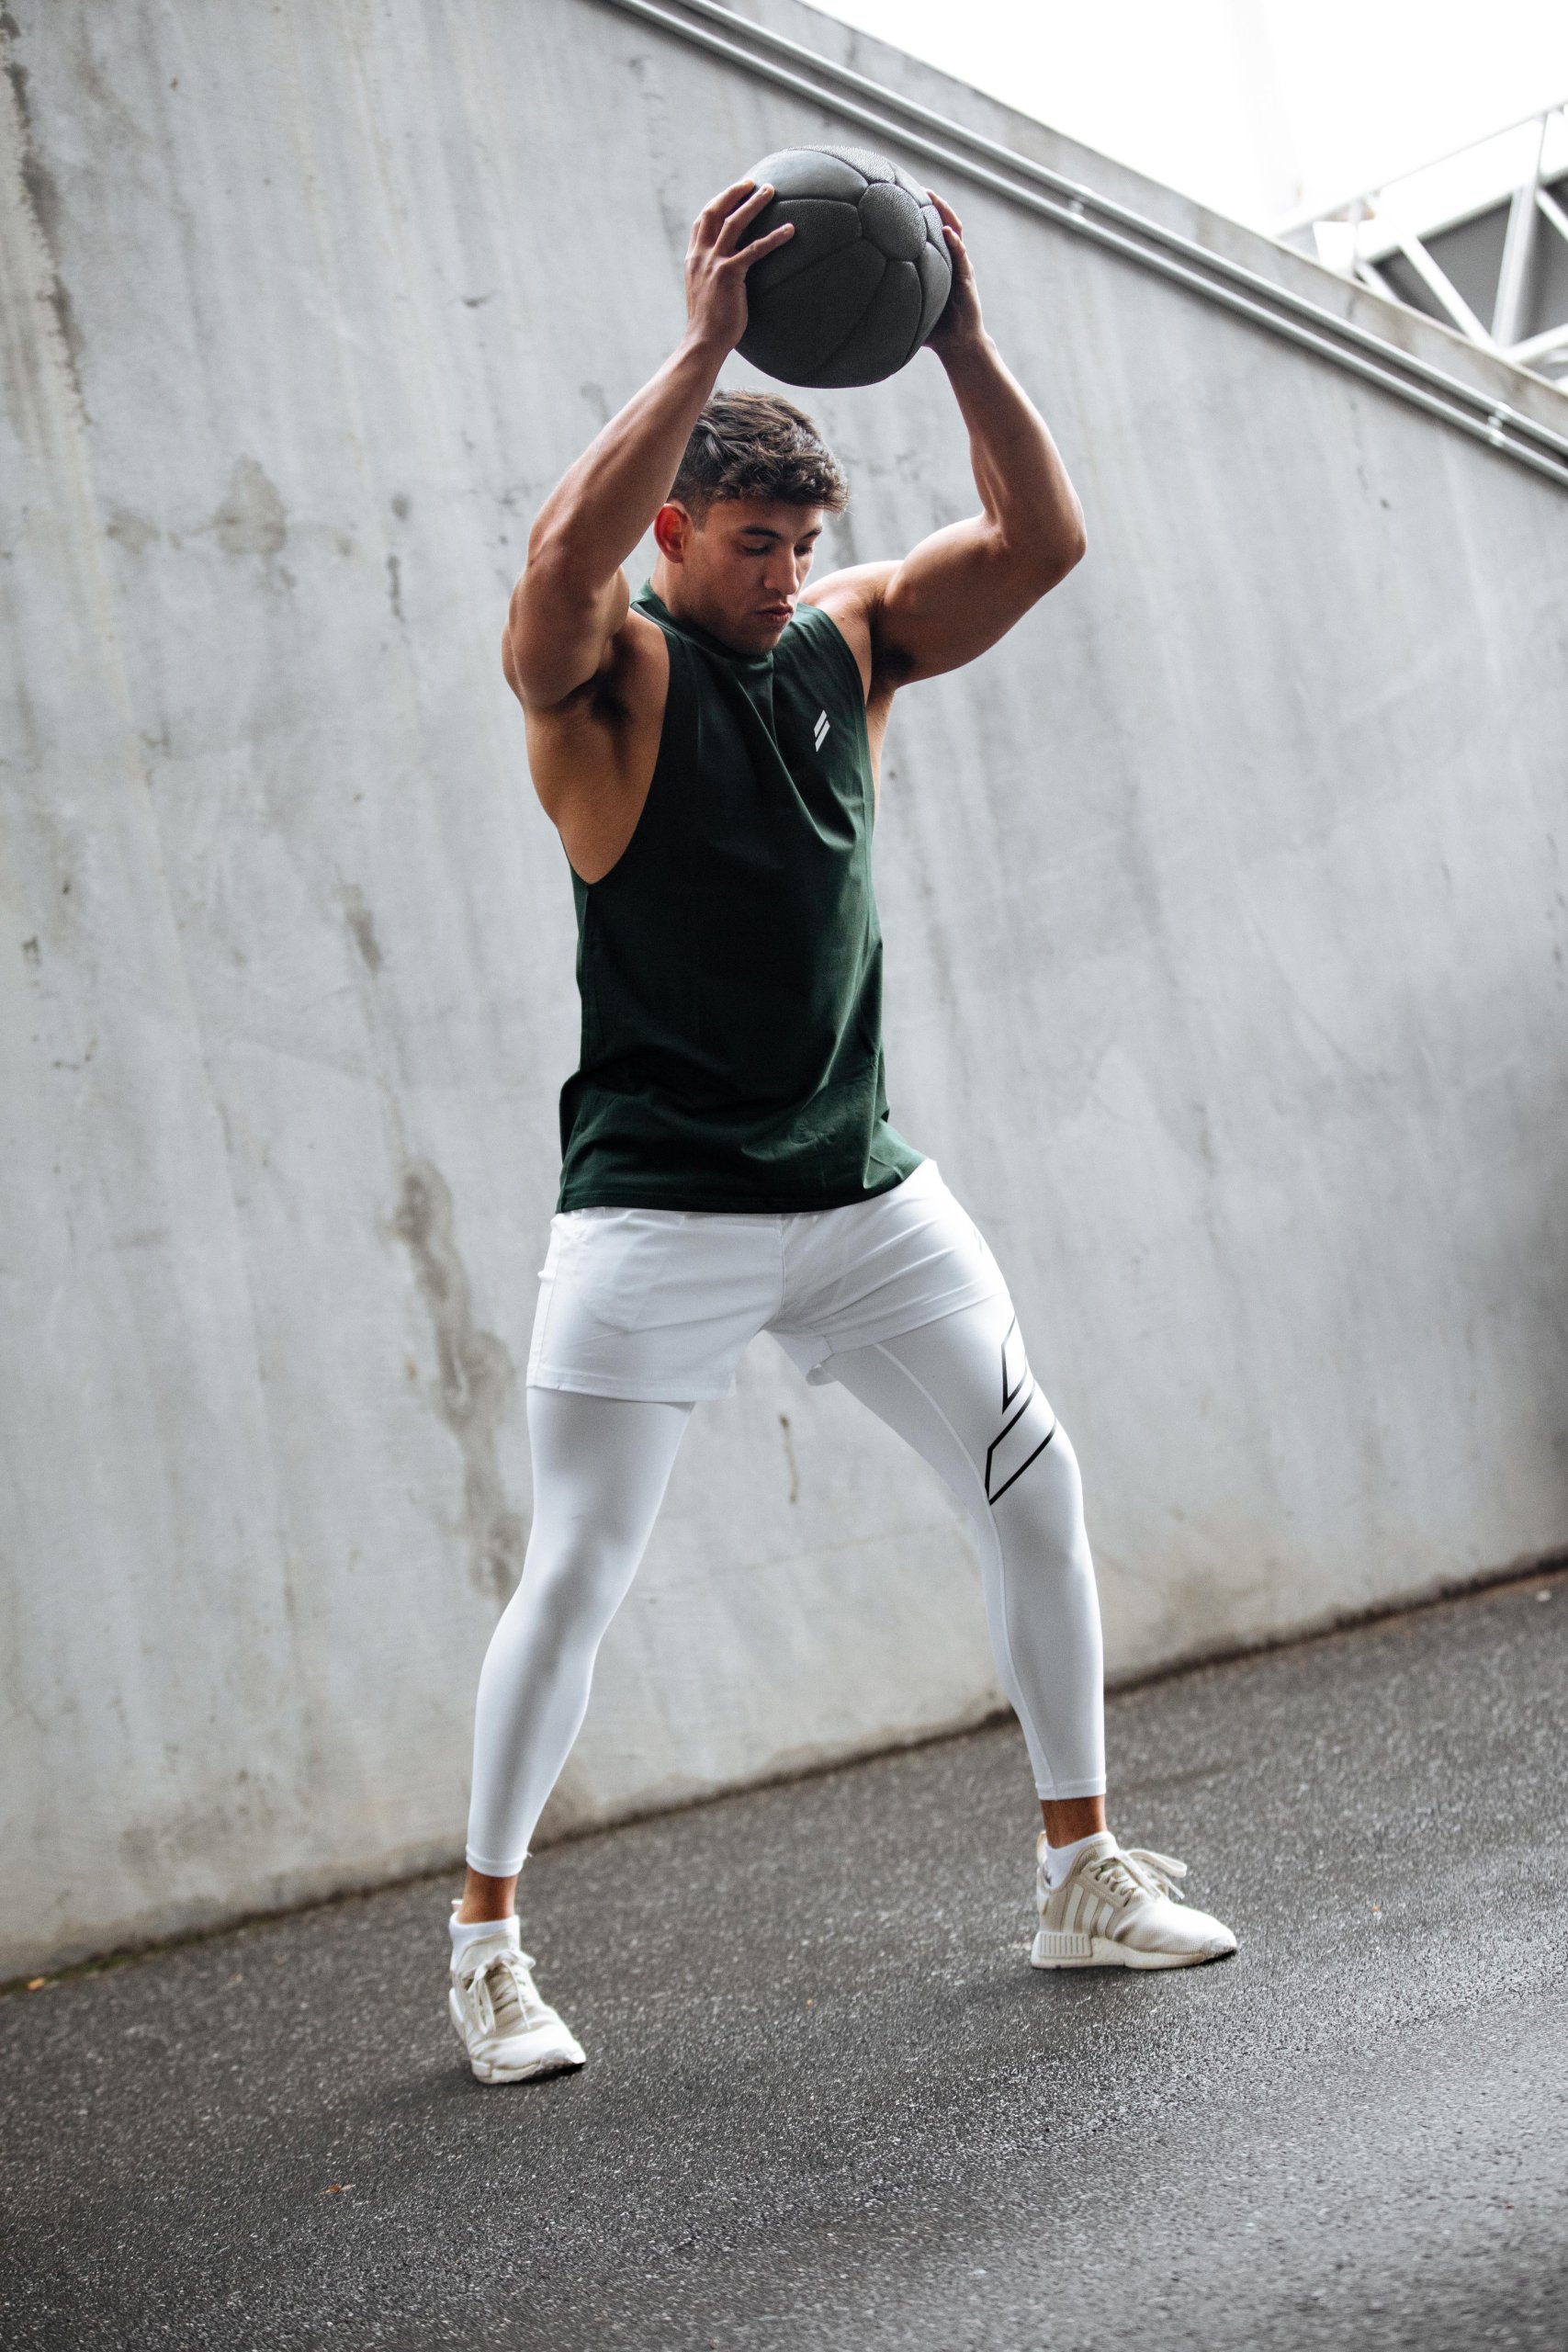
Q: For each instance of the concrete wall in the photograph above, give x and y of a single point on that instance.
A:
(1224, 905)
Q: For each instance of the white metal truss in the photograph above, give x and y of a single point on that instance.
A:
(1478, 238)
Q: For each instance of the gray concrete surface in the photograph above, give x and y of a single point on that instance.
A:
(828, 2104)
(1224, 908)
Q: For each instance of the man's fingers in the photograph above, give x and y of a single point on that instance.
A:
(949, 217)
(741, 218)
(724, 201)
(709, 225)
(958, 253)
(761, 245)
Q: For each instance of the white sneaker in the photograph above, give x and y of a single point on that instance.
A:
(1117, 1909)
(509, 2034)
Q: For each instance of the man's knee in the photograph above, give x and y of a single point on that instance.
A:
(1025, 1433)
(1040, 1506)
(577, 1588)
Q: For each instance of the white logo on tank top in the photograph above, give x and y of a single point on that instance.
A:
(819, 732)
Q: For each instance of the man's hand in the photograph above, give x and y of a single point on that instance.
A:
(717, 264)
(959, 323)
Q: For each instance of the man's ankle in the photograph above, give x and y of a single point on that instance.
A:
(1068, 1820)
(485, 1898)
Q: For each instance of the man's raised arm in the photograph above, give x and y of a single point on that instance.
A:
(573, 597)
(956, 593)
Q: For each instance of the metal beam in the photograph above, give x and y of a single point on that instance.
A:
(1550, 209)
(1441, 288)
(1518, 246)
(1542, 346)
(768, 56)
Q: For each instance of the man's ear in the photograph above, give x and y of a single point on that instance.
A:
(672, 528)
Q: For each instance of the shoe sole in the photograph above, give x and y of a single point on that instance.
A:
(1052, 1950)
(551, 2060)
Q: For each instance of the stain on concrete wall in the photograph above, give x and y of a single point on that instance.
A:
(362, 927)
(475, 1380)
(251, 518)
(41, 197)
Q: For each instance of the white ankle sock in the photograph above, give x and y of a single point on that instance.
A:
(1059, 1860)
(465, 1932)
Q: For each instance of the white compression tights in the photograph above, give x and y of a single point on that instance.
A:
(960, 1392)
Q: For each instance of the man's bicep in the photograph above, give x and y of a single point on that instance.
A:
(559, 634)
(948, 601)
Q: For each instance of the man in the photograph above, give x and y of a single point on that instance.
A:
(709, 751)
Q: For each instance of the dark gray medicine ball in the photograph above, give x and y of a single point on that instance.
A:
(853, 294)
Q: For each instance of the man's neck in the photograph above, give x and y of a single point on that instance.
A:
(666, 583)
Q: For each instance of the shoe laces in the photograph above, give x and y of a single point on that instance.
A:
(504, 1995)
(1129, 1870)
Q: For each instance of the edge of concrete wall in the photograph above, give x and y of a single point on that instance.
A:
(314, 1890)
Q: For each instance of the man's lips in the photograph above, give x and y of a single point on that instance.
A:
(776, 613)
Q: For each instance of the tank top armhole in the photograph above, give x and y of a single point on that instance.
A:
(678, 706)
(826, 630)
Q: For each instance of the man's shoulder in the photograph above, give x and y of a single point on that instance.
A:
(849, 600)
(857, 588)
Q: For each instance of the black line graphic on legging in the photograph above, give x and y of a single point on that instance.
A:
(1018, 1381)
(1013, 1358)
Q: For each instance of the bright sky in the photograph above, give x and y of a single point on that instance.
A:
(1257, 108)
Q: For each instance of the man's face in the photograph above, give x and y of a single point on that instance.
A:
(738, 571)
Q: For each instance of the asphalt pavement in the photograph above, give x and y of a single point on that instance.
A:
(828, 2103)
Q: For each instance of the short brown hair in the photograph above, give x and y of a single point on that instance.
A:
(756, 445)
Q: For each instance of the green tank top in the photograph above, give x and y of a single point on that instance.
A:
(730, 962)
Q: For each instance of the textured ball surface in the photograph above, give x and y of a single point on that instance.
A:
(853, 295)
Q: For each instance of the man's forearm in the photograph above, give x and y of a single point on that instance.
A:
(602, 504)
(572, 599)
(1023, 485)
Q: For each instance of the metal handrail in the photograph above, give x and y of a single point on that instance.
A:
(1116, 227)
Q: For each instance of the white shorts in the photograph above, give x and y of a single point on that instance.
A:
(663, 1302)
